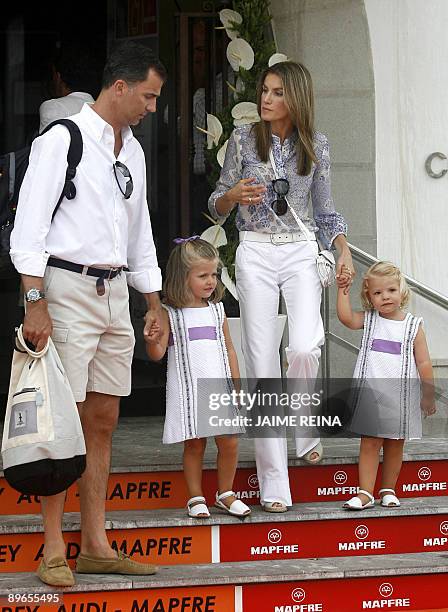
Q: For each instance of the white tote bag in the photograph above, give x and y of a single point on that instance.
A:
(43, 447)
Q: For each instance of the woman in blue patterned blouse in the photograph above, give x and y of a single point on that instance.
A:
(274, 254)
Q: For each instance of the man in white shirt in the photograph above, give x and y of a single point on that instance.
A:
(74, 80)
(75, 284)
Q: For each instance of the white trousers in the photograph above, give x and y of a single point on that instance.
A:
(262, 271)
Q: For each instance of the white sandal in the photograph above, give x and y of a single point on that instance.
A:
(355, 502)
(389, 501)
(275, 506)
(197, 508)
(237, 507)
(319, 450)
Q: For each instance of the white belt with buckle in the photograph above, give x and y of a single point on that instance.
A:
(277, 238)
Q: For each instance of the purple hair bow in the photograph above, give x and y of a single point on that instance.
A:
(183, 240)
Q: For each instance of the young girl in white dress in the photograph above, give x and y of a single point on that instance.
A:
(201, 361)
(394, 379)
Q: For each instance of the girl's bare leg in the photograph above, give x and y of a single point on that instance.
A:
(392, 461)
(369, 458)
(227, 461)
(192, 461)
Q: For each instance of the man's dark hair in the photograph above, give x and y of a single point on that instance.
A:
(78, 67)
(131, 61)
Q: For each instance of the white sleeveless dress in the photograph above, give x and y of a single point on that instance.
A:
(198, 366)
(386, 397)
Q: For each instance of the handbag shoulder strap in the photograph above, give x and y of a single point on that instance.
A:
(298, 220)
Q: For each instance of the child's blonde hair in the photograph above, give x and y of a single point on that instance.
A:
(384, 269)
(182, 258)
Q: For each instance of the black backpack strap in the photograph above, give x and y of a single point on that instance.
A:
(74, 155)
(12, 174)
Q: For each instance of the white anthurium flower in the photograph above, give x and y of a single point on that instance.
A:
(238, 88)
(246, 120)
(213, 131)
(228, 283)
(242, 109)
(239, 85)
(240, 54)
(221, 154)
(228, 18)
(244, 113)
(215, 235)
(276, 58)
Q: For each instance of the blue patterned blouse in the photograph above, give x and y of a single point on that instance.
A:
(242, 161)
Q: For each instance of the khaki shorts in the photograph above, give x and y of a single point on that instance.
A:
(93, 334)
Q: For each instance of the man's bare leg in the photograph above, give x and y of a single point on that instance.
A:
(99, 416)
(52, 512)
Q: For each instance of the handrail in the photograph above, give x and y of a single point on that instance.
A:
(365, 258)
(430, 294)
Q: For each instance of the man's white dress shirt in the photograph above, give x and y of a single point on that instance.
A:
(98, 227)
(59, 108)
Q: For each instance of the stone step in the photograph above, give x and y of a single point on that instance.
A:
(414, 582)
(147, 474)
(146, 488)
(316, 530)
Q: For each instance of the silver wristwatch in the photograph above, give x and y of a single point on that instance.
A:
(34, 295)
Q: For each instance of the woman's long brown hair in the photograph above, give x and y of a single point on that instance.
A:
(299, 100)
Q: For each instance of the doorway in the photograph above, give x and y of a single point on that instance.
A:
(183, 34)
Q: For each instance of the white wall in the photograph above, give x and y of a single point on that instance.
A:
(410, 51)
(331, 38)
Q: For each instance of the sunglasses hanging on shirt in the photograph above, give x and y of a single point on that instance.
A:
(281, 188)
(124, 179)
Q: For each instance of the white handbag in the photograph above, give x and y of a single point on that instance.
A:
(43, 447)
(325, 261)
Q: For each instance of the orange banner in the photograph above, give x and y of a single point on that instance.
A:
(190, 599)
(172, 546)
(127, 491)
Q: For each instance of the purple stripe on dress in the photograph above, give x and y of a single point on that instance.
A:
(207, 332)
(386, 346)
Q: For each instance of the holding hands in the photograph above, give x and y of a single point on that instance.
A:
(153, 330)
(344, 278)
(152, 336)
(345, 271)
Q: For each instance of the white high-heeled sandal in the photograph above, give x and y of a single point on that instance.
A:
(388, 500)
(355, 502)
